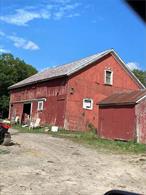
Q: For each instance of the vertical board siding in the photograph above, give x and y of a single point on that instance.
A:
(140, 111)
(117, 123)
(89, 83)
(52, 91)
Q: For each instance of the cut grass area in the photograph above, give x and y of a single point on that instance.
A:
(91, 139)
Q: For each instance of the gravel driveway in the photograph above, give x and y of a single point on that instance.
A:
(44, 165)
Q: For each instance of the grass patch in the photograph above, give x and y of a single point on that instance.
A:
(3, 151)
(27, 130)
(90, 138)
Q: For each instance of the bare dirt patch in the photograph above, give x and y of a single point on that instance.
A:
(44, 165)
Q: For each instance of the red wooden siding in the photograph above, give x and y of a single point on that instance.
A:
(15, 110)
(117, 122)
(89, 83)
(54, 107)
(140, 111)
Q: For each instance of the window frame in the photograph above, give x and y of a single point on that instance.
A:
(85, 107)
(42, 105)
(105, 77)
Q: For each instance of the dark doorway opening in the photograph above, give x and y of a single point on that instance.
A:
(26, 113)
(27, 108)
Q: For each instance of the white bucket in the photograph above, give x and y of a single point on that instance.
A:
(54, 128)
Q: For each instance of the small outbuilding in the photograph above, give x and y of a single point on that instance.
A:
(122, 116)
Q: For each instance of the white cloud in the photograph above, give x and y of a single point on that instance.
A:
(69, 7)
(66, 11)
(57, 10)
(133, 65)
(22, 17)
(17, 41)
(62, 1)
(20, 42)
(2, 50)
(58, 15)
(31, 46)
(73, 15)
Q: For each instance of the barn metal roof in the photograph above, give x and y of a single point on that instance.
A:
(124, 98)
(69, 69)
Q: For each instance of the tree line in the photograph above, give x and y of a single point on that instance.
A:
(13, 70)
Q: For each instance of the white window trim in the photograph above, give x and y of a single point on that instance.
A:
(111, 81)
(42, 105)
(85, 107)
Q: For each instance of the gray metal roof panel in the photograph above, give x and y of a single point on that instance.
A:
(70, 68)
(61, 70)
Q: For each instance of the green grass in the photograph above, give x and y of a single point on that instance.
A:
(27, 130)
(3, 151)
(91, 139)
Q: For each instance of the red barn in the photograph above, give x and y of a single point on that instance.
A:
(122, 116)
(66, 95)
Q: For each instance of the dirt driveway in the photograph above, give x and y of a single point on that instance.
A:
(44, 165)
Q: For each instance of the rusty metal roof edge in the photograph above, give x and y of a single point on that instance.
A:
(35, 82)
(107, 101)
(116, 104)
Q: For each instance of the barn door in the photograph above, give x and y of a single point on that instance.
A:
(60, 112)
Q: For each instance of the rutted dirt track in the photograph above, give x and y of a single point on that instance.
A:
(44, 165)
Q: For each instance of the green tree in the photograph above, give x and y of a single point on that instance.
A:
(12, 70)
(141, 75)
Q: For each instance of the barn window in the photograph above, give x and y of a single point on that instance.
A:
(108, 78)
(88, 103)
(40, 105)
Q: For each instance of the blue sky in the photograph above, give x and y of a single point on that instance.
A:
(51, 32)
